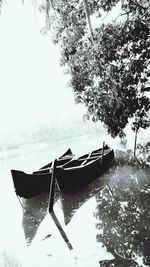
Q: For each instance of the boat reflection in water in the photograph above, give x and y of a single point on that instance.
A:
(70, 203)
(34, 211)
(36, 208)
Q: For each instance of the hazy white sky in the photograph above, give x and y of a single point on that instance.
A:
(32, 84)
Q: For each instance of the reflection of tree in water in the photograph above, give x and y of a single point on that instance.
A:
(125, 219)
(144, 153)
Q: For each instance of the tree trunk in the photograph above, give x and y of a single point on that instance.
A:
(47, 18)
(88, 17)
(135, 141)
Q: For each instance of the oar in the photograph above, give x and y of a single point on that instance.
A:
(52, 187)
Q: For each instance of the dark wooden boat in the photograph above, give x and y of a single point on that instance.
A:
(96, 153)
(78, 172)
(66, 157)
(30, 185)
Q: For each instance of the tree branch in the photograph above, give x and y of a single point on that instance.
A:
(137, 4)
(88, 17)
(122, 14)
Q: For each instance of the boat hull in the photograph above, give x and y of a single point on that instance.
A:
(29, 185)
(70, 179)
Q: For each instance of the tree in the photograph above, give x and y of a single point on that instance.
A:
(109, 65)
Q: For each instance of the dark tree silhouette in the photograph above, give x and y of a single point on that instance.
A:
(108, 65)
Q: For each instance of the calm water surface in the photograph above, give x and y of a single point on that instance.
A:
(106, 223)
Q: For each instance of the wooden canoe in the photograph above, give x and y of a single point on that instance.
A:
(29, 185)
(81, 171)
(66, 157)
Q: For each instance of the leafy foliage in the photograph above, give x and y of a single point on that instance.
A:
(109, 72)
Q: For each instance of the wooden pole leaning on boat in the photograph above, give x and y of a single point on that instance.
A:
(52, 187)
(51, 204)
(102, 152)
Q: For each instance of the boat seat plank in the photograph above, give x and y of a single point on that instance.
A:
(83, 163)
